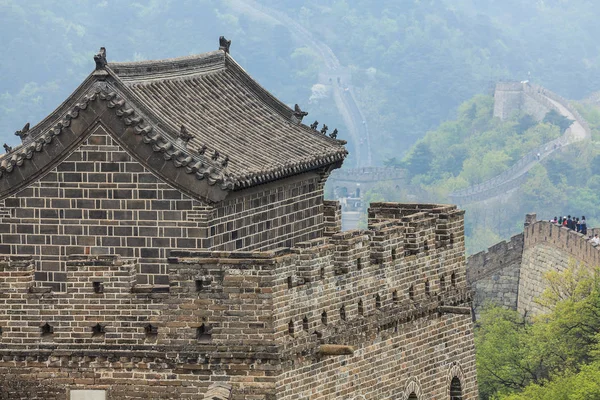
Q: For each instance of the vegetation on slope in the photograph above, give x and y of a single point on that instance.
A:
(413, 62)
(554, 355)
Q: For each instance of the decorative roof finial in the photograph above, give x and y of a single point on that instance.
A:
(100, 58)
(298, 113)
(184, 134)
(224, 44)
(7, 148)
(334, 134)
(23, 133)
(225, 161)
(215, 155)
(314, 125)
(324, 129)
(202, 149)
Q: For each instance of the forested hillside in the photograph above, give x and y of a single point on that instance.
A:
(413, 62)
(553, 356)
(476, 146)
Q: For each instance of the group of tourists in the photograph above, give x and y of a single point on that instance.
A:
(575, 224)
(578, 225)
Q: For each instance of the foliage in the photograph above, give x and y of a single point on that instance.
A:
(524, 358)
(554, 118)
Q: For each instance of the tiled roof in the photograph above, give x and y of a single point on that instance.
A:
(204, 114)
(224, 109)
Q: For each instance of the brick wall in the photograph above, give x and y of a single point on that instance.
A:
(377, 291)
(252, 320)
(268, 216)
(101, 201)
(201, 332)
(549, 247)
(493, 275)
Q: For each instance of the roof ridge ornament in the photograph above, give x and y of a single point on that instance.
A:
(314, 125)
(324, 129)
(224, 44)
(7, 148)
(100, 58)
(334, 134)
(23, 133)
(299, 114)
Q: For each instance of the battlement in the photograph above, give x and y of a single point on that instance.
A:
(242, 311)
(573, 243)
(485, 263)
(417, 237)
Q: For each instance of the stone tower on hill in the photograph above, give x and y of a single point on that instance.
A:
(163, 235)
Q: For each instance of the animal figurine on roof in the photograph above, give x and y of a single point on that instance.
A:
(184, 134)
(298, 113)
(334, 134)
(100, 58)
(23, 133)
(224, 44)
(314, 125)
(324, 129)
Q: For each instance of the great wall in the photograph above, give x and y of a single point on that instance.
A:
(511, 97)
(512, 273)
(332, 74)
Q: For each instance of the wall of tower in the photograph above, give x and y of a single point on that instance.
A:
(508, 99)
(493, 275)
(101, 201)
(252, 321)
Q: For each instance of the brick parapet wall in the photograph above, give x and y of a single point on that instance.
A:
(493, 275)
(245, 302)
(564, 239)
(332, 212)
(549, 247)
(375, 296)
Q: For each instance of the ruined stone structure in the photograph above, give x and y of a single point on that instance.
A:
(512, 273)
(163, 235)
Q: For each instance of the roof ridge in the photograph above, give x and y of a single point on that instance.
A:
(168, 67)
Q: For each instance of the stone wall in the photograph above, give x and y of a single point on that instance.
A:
(549, 247)
(377, 291)
(493, 275)
(394, 298)
(137, 342)
(101, 201)
(512, 274)
(508, 99)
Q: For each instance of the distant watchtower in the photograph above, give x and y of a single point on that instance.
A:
(508, 99)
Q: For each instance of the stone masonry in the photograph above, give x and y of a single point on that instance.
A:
(513, 274)
(258, 321)
(163, 235)
(493, 275)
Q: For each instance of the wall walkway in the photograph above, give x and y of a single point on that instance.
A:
(515, 176)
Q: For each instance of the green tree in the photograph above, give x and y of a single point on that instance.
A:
(516, 354)
(419, 160)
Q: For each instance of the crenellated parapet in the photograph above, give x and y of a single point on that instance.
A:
(250, 319)
(513, 273)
